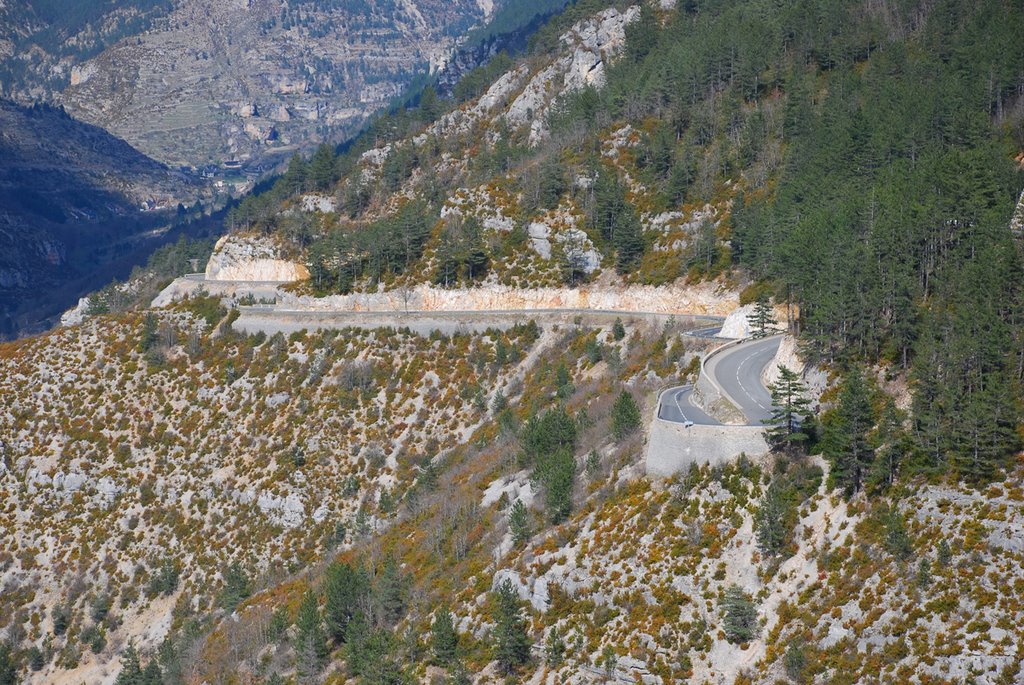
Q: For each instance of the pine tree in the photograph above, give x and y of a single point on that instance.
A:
(444, 641)
(628, 241)
(390, 589)
(148, 337)
(554, 647)
(512, 644)
(322, 168)
(625, 415)
(131, 670)
(618, 330)
(762, 319)
(790, 408)
(847, 441)
(739, 614)
(236, 586)
(775, 517)
(345, 589)
(554, 472)
(310, 644)
(519, 523)
(8, 666)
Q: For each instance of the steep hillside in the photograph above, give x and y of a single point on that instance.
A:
(73, 200)
(190, 503)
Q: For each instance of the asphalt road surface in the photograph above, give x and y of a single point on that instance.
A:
(737, 370)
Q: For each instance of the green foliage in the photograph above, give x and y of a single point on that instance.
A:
(618, 330)
(310, 642)
(100, 606)
(133, 673)
(444, 641)
(552, 430)
(625, 415)
(739, 614)
(390, 591)
(762, 319)
(61, 616)
(8, 665)
(148, 337)
(519, 523)
(616, 221)
(790, 410)
(777, 513)
(897, 540)
(386, 246)
(555, 471)
(554, 648)
(345, 590)
(795, 661)
(511, 643)
(236, 586)
(847, 441)
(164, 580)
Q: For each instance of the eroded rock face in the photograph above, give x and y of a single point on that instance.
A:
(182, 90)
(737, 324)
(251, 258)
(589, 44)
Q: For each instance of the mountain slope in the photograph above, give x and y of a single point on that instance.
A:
(71, 202)
(379, 506)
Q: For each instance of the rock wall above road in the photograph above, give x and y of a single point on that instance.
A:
(704, 298)
(251, 258)
(788, 355)
(737, 324)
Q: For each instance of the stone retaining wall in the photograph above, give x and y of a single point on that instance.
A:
(671, 447)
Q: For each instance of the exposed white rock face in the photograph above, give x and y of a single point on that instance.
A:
(318, 203)
(288, 511)
(376, 156)
(737, 324)
(460, 121)
(703, 298)
(75, 316)
(539, 241)
(788, 355)
(537, 595)
(251, 258)
(492, 211)
(579, 250)
(1017, 222)
(591, 43)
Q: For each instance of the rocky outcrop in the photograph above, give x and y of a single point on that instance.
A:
(589, 45)
(75, 316)
(214, 81)
(737, 324)
(251, 258)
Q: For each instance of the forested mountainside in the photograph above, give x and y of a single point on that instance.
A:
(197, 82)
(74, 201)
(189, 503)
(861, 160)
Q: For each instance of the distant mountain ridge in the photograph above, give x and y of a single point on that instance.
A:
(197, 82)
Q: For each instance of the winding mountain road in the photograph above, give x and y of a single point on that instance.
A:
(737, 371)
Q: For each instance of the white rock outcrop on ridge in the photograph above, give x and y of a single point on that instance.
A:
(251, 258)
(591, 43)
(313, 202)
(76, 315)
